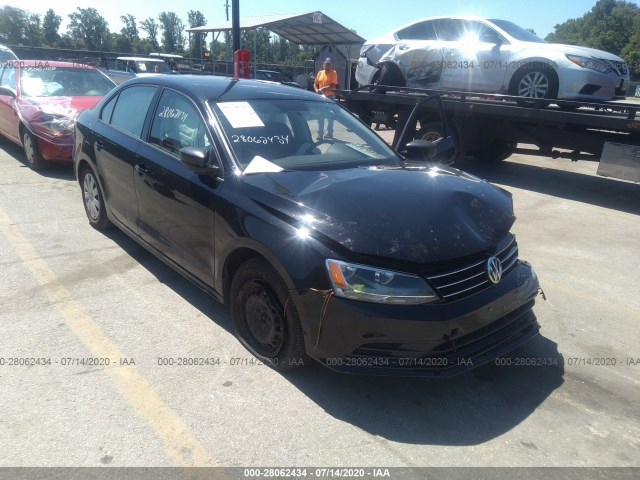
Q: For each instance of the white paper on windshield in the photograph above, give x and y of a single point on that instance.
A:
(261, 165)
(240, 114)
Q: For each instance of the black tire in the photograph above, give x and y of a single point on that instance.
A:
(391, 76)
(432, 131)
(536, 82)
(93, 200)
(496, 151)
(31, 151)
(258, 298)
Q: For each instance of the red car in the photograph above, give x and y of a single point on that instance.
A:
(39, 102)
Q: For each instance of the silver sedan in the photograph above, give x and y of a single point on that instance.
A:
(467, 53)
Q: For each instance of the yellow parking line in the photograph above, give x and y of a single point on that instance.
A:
(180, 443)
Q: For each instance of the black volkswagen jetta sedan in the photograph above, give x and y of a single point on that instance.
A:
(329, 246)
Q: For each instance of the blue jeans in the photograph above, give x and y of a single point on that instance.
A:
(329, 124)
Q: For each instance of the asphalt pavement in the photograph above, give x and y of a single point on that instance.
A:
(99, 321)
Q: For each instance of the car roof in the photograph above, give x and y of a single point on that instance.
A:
(50, 63)
(220, 88)
(141, 59)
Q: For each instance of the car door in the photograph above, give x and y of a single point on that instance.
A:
(116, 142)
(418, 54)
(475, 56)
(9, 119)
(175, 205)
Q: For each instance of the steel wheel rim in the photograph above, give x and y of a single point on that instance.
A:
(28, 148)
(265, 321)
(534, 85)
(91, 196)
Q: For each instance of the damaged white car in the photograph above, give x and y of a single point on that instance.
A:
(472, 54)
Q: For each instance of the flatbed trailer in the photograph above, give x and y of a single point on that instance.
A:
(491, 127)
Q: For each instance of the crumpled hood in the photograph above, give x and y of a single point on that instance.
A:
(53, 117)
(416, 215)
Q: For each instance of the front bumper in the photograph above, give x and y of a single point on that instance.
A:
(583, 84)
(439, 339)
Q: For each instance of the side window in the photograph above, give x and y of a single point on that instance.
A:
(419, 31)
(131, 109)
(448, 29)
(480, 31)
(107, 110)
(8, 76)
(177, 124)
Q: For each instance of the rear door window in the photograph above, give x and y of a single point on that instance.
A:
(131, 109)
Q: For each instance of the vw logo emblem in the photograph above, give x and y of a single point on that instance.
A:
(494, 269)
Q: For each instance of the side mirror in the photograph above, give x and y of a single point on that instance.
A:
(423, 149)
(195, 159)
(441, 150)
(8, 91)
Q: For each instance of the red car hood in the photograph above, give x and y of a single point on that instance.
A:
(52, 117)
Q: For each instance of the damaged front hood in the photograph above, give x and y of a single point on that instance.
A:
(53, 117)
(406, 214)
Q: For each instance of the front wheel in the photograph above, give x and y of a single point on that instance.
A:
(93, 200)
(265, 318)
(535, 82)
(31, 151)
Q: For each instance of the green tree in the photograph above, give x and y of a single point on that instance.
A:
(130, 29)
(195, 18)
(257, 42)
(14, 25)
(151, 27)
(172, 32)
(608, 26)
(50, 26)
(34, 31)
(89, 29)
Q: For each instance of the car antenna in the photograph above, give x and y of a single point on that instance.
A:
(232, 83)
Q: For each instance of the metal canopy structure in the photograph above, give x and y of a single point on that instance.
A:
(310, 28)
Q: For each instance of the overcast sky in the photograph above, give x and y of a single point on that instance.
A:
(369, 18)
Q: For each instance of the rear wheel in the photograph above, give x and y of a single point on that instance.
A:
(263, 325)
(31, 151)
(93, 200)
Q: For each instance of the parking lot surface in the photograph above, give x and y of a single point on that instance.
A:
(110, 335)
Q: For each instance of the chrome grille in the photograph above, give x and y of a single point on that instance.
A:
(621, 68)
(472, 278)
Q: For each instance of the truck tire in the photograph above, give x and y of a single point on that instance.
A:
(496, 151)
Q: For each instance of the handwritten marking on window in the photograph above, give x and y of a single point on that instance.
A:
(272, 140)
(173, 113)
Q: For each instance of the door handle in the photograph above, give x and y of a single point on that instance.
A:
(99, 145)
(141, 169)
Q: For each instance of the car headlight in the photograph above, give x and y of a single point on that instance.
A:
(58, 125)
(377, 285)
(590, 63)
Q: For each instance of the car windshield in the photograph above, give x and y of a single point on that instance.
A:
(274, 135)
(46, 81)
(517, 32)
(139, 66)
